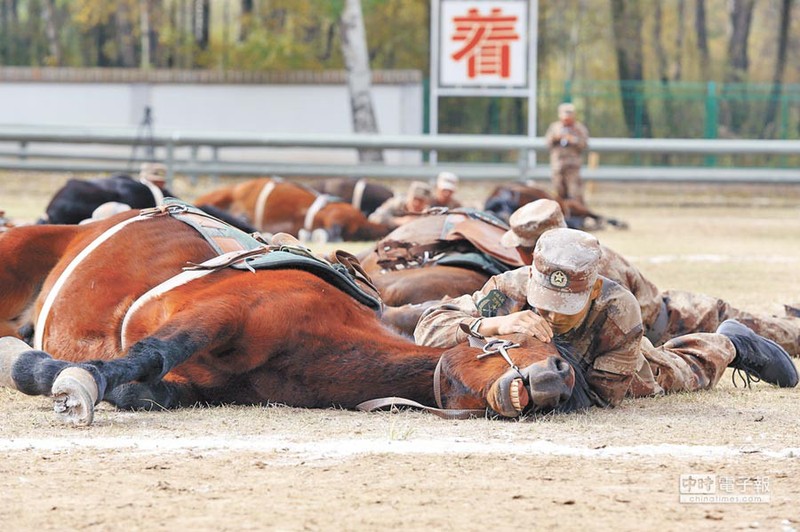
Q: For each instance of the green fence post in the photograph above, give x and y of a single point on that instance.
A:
(712, 118)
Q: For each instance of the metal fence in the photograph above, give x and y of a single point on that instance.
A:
(208, 153)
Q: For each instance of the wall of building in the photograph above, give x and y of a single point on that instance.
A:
(295, 102)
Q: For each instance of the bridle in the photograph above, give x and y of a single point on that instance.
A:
(493, 347)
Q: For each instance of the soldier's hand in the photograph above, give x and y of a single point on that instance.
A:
(524, 322)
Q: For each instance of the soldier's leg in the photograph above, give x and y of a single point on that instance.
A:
(573, 183)
(690, 362)
(559, 184)
(690, 312)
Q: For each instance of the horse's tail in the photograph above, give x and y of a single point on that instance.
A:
(221, 198)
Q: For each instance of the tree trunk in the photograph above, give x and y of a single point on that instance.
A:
(677, 64)
(780, 67)
(354, 50)
(202, 24)
(9, 26)
(246, 20)
(628, 43)
(49, 15)
(741, 16)
(144, 29)
(124, 26)
(734, 113)
(701, 30)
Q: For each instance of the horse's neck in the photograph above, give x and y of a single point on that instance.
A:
(391, 365)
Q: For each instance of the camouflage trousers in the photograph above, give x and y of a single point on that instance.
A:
(691, 313)
(567, 182)
(687, 363)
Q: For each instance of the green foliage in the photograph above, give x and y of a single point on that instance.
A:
(577, 55)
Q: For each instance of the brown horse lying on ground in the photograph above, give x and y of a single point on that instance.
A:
(505, 199)
(437, 255)
(141, 332)
(276, 206)
(359, 193)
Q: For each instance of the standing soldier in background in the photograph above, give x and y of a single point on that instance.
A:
(567, 139)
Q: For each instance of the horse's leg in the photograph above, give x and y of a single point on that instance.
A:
(34, 373)
(76, 388)
(152, 396)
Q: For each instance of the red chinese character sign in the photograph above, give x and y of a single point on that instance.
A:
(483, 43)
(483, 48)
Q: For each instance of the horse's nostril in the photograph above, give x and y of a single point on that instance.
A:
(559, 365)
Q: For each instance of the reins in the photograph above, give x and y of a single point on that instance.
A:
(492, 347)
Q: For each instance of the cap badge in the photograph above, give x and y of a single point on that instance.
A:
(559, 279)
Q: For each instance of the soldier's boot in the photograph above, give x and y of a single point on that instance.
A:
(793, 310)
(758, 357)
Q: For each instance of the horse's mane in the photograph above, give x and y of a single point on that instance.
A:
(581, 397)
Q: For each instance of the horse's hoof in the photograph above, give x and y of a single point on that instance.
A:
(10, 350)
(74, 396)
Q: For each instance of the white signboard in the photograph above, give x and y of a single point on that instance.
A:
(483, 43)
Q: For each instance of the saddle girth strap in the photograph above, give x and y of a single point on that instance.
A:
(358, 193)
(41, 321)
(158, 196)
(311, 213)
(261, 202)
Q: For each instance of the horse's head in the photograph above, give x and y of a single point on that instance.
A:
(511, 379)
(342, 221)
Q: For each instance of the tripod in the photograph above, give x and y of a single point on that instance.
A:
(144, 139)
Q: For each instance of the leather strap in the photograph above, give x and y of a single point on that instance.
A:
(444, 413)
(261, 201)
(358, 193)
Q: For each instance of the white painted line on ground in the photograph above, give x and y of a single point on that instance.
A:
(343, 449)
(716, 259)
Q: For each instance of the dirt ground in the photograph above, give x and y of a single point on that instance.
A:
(280, 468)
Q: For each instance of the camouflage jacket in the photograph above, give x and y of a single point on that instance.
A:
(561, 154)
(388, 210)
(617, 268)
(607, 342)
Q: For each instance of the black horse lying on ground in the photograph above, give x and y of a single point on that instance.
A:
(78, 199)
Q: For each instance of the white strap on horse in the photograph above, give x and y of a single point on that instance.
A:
(319, 203)
(158, 196)
(41, 321)
(261, 201)
(187, 275)
(358, 193)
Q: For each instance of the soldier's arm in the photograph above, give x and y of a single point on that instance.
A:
(503, 294)
(552, 136)
(384, 213)
(581, 137)
(612, 371)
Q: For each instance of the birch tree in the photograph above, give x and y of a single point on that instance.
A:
(356, 58)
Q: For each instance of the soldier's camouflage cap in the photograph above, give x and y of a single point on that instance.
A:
(530, 221)
(419, 190)
(565, 267)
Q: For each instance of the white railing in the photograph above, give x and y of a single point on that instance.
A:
(182, 152)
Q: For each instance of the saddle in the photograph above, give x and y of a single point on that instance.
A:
(239, 250)
(460, 237)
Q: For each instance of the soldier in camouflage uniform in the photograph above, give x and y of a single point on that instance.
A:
(567, 139)
(665, 314)
(562, 295)
(398, 210)
(444, 193)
